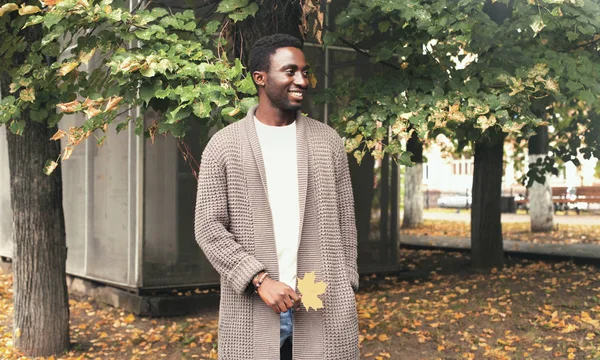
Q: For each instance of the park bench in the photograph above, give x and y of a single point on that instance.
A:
(563, 197)
(588, 194)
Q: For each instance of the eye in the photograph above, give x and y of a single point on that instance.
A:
(290, 72)
(305, 73)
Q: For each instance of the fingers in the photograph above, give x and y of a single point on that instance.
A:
(289, 300)
(297, 301)
(279, 297)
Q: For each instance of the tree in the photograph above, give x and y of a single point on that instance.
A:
(471, 70)
(413, 181)
(541, 208)
(150, 58)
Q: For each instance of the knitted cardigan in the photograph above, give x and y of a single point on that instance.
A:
(233, 226)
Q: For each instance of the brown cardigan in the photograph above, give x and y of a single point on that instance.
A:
(233, 227)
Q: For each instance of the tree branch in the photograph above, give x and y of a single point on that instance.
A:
(592, 42)
(362, 52)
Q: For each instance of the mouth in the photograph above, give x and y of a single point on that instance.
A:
(297, 94)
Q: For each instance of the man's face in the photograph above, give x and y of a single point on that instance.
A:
(287, 79)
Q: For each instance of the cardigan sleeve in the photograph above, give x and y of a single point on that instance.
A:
(227, 256)
(346, 214)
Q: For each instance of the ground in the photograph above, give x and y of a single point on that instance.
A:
(438, 309)
(561, 234)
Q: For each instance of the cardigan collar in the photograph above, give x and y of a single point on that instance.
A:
(302, 152)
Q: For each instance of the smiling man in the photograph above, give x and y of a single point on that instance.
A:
(275, 202)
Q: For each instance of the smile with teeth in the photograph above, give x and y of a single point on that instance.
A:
(297, 94)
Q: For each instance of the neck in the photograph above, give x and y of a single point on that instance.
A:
(274, 117)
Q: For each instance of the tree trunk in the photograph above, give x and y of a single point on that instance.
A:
(40, 299)
(362, 187)
(413, 185)
(486, 227)
(541, 209)
(384, 207)
(394, 213)
(41, 308)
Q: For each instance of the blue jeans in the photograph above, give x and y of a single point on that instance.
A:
(287, 326)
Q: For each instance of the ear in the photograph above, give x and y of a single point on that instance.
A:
(259, 78)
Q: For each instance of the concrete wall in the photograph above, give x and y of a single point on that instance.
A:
(6, 223)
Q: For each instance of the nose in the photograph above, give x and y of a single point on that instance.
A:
(301, 80)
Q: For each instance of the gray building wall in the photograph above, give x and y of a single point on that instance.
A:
(6, 223)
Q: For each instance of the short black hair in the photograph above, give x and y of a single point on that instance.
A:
(260, 55)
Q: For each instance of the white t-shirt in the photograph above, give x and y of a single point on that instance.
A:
(278, 147)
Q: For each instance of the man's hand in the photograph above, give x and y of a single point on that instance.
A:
(278, 296)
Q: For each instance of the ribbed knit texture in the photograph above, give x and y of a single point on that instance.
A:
(233, 227)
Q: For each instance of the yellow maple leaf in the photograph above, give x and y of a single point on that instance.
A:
(311, 290)
(129, 319)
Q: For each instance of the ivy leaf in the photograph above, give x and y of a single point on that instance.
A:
(329, 38)
(537, 24)
(227, 6)
(358, 155)
(241, 14)
(201, 109)
(246, 86)
(17, 127)
(53, 35)
(145, 34)
(34, 20)
(572, 36)
(247, 103)
(51, 19)
(122, 126)
(384, 26)
(405, 160)
(148, 90)
(148, 72)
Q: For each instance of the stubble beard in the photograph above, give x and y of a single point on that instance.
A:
(282, 102)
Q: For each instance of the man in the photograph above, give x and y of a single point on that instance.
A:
(275, 202)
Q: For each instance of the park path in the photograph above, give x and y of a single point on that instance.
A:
(465, 216)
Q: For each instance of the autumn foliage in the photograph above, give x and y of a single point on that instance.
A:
(438, 309)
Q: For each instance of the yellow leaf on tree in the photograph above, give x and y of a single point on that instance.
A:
(67, 152)
(6, 8)
(59, 134)
(85, 57)
(48, 169)
(68, 107)
(113, 102)
(313, 80)
(311, 290)
(68, 67)
(28, 9)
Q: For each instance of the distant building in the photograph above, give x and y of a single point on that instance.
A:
(449, 174)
